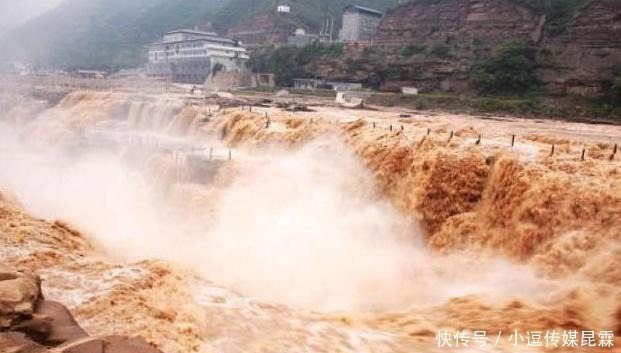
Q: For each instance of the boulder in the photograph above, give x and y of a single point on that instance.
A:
(110, 344)
(51, 324)
(13, 342)
(29, 324)
(19, 293)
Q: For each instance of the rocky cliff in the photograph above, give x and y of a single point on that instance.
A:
(464, 25)
(583, 58)
(433, 44)
(261, 30)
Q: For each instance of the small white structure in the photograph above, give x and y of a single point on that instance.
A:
(410, 91)
(351, 99)
(283, 8)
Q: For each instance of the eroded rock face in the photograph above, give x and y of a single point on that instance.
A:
(19, 294)
(433, 44)
(261, 30)
(581, 60)
(466, 24)
(13, 342)
(52, 324)
(110, 344)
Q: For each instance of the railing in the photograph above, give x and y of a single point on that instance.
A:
(63, 82)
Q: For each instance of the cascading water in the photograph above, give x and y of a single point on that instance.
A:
(313, 237)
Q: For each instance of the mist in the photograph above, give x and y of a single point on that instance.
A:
(303, 228)
(14, 13)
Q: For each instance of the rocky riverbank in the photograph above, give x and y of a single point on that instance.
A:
(31, 324)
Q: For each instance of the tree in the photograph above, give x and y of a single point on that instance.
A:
(509, 70)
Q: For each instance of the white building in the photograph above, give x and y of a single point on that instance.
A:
(191, 56)
(283, 8)
(359, 24)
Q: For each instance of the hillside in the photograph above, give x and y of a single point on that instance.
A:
(109, 34)
(100, 33)
(308, 13)
(557, 48)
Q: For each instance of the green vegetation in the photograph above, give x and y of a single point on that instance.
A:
(421, 103)
(112, 34)
(100, 34)
(288, 62)
(370, 53)
(217, 68)
(412, 49)
(509, 70)
(307, 13)
(569, 108)
(440, 50)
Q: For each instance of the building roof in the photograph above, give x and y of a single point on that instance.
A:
(205, 36)
(92, 72)
(363, 9)
(191, 31)
(210, 39)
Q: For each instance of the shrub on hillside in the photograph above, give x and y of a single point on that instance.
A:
(412, 49)
(440, 50)
(509, 70)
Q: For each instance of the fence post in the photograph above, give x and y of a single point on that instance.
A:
(230, 154)
(552, 150)
(478, 140)
(582, 158)
(513, 140)
(428, 131)
(451, 136)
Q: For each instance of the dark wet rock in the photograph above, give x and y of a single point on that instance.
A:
(30, 324)
(13, 342)
(52, 324)
(19, 293)
(110, 344)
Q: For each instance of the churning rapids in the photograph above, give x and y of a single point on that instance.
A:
(202, 229)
